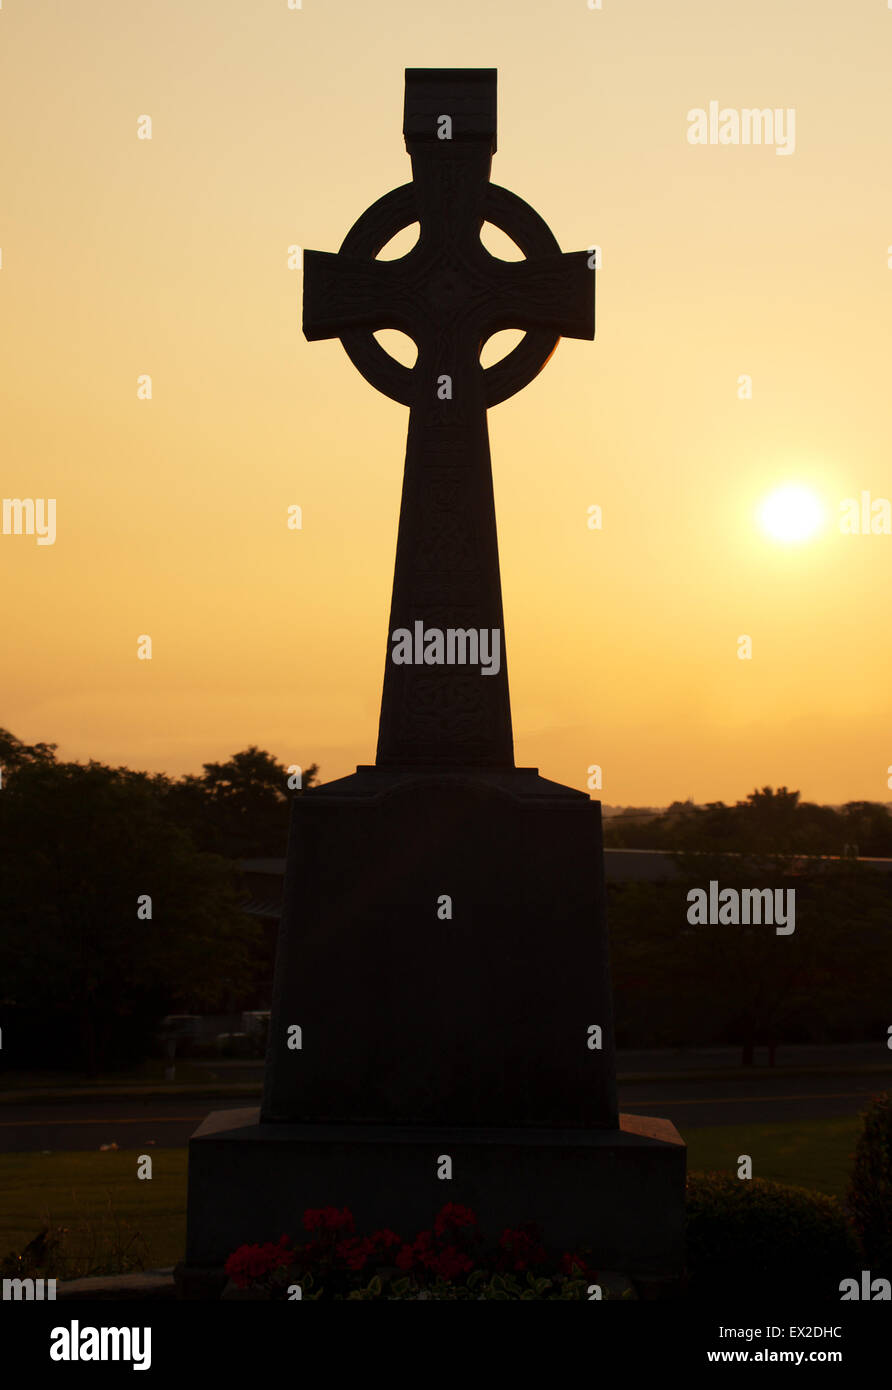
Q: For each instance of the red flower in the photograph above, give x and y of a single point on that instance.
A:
(577, 1266)
(251, 1262)
(329, 1221)
(420, 1252)
(452, 1218)
(384, 1241)
(450, 1263)
(521, 1248)
(354, 1252)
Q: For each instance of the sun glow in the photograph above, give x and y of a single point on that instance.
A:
(791, 513)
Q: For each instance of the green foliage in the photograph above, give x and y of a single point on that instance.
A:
(372, 1290)
(751, 1237)
(869, 1197)
(387, 1285)
(506, 1288)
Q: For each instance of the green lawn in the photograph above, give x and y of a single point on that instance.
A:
(107, 1209)
(99, 1199)
(814, 1153)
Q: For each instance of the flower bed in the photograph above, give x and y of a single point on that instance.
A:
(450, 1261)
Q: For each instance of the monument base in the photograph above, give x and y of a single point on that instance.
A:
(618, 1192)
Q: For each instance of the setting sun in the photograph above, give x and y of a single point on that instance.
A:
(791, 513)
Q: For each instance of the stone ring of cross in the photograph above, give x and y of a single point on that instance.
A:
(398, 210)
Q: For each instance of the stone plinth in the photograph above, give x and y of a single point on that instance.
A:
(619, 1191)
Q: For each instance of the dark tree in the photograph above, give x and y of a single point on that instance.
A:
(81, 845)
(238, 808)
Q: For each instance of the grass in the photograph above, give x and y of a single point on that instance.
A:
(813, 1153)
(113, 1220)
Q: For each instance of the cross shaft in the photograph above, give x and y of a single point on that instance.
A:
(449, 295)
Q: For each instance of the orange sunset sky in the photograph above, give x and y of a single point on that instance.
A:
(273, 127)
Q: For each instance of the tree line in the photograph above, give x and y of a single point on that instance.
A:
(88, 967)
(769, 821)
(121, 900)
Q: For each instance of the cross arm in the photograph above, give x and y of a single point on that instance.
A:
(343, 292)
(555, 292)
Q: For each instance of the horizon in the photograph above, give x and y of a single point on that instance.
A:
(608, 809)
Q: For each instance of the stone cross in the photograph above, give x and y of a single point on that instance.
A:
(445, 700)
(442, 1006)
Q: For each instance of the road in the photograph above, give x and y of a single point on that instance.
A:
(690, 1102)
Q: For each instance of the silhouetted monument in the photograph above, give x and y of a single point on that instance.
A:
(442, 984)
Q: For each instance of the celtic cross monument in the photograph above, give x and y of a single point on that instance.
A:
(442, 985)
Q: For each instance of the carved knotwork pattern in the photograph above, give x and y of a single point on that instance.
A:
(447, 707)
(431, 587)
(445, 541)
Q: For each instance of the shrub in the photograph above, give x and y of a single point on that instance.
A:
(755, 1238)
(869, 1198)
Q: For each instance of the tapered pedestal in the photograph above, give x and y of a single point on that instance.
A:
(443, 953)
